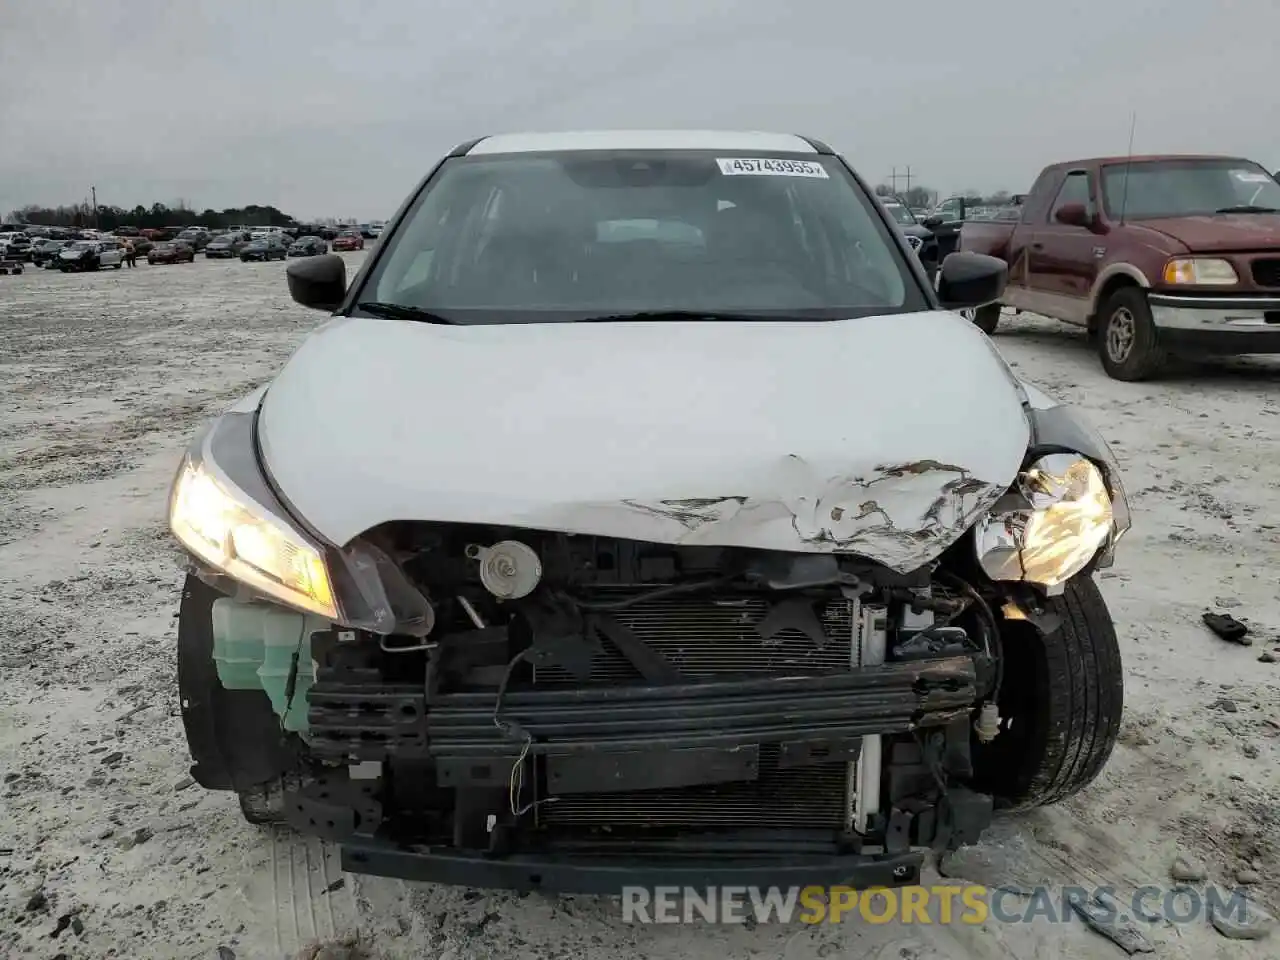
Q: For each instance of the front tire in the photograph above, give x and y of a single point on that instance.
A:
(1061, 700)
(1127, 343)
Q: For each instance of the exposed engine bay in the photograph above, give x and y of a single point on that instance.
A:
(583, 693)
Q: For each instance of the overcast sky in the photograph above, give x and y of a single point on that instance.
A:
(337, 107)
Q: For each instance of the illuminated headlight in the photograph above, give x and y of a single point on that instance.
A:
(1050, 526)
(1208, 271)
(232, 537)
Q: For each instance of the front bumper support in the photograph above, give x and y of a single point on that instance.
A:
(887, 699)
(607, 876)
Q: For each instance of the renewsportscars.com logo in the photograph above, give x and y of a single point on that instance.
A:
(971, 904)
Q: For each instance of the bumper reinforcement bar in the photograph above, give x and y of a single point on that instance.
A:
(891, 698)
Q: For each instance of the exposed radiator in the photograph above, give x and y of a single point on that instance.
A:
(707, 636)
(800, 797)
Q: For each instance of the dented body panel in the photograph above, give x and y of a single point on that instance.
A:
(822, 437)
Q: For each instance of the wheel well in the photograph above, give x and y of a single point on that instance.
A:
(1118, 282)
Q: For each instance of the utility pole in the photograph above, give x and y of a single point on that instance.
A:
(94, 191)
(895, 176)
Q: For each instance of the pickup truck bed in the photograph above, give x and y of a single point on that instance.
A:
(1155, 255)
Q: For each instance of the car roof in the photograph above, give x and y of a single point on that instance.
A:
(1151, 158)
(643, 140)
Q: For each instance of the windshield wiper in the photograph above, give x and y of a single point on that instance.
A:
(1247, 208)
(399, 311)
(677, 315)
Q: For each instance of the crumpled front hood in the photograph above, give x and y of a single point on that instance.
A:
(884, 437)
(1222, 232)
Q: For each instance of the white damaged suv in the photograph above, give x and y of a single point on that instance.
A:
(644, 514)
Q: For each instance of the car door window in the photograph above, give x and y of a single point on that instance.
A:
(950, 210)
(1074, 189)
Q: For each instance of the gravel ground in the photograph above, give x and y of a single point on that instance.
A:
(107, 849)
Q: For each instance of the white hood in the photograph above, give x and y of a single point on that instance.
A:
(884, 437)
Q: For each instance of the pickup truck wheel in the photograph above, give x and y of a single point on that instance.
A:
(1127, 337)
(985, 318)
(1060, 702)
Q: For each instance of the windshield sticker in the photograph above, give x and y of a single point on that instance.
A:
(1250, 176)
(736, 166)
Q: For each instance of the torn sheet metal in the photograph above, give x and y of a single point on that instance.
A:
(820, 437)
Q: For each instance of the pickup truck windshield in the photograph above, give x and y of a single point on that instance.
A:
(1188, 188)
(558, 237)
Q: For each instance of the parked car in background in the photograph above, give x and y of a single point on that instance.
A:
(1155, 256)
(919, 237)
(90, 255)
(269, 247)
(308, 247)
(15, 245)
(226, 246)
(196, 237)
(141, 245)
(349, 240)
(172, 251)
(45, 252)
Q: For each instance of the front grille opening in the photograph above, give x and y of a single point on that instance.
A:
(1266, 273)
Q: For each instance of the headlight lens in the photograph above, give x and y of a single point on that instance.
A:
(1199, 270)
(1050, 526)
(229, 536)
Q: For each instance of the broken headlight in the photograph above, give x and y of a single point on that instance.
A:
(227, 530)
(1050, 525)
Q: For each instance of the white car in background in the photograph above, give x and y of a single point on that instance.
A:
(91, 255)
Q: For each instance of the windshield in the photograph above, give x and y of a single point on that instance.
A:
(570, 236)
(84, 245)
(1187, 188)
(900, 214)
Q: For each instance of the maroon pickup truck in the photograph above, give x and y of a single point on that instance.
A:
(1154, 255)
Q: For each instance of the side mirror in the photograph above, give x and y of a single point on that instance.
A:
(971, 280)
(318, 282)
(1073, 215)
(932, 221)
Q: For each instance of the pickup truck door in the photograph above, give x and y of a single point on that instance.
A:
(1063, 260)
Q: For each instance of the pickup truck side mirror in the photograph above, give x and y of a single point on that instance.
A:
(1074, 215)
(932, 222)
(971, 280)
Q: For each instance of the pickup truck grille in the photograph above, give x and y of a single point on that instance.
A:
(1266, 273)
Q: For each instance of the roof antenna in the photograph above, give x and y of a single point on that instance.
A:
(1128, 165)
